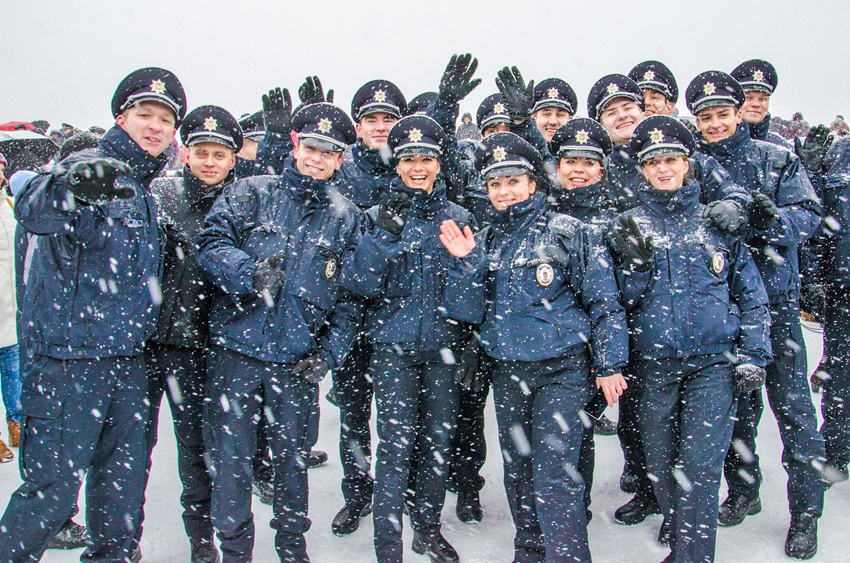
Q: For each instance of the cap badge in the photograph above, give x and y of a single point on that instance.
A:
(582, 137)
(758, 76)
(545, 275)
(158, 87)
(499, 108)
(330, 268)
(552, 93)
(709, 88)
(415, 135)
(499, 154)
(612, 88)
(649, 75)
(210, 124)
(656, 136)
(324, 125)
(717, 262)
(380, 96)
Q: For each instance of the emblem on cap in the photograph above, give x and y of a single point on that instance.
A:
(380, 96)
(649, 75)
(158, 86)
(545, 275)
(717, 262)
(709, 88)
(415, 135)
(499, 108)
(499, 154)
(758, 75)
(656, 136)
(210, 124)
(330, 268)
(582, 137)
(552, 93)
(324, 125)
(612, 88)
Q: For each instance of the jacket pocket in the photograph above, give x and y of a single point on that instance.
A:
(320, 286)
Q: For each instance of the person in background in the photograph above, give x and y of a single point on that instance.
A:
(10, 382)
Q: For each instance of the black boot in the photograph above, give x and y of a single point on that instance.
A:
(636, 510)
(664, 533)
(469, 506)
(263, 490)
(736, 507)
(347, 520)
(70, 536)
(204, 551)
(604, 427)
(435, 546)
(802, 540)
(315, 458)
(628, 482)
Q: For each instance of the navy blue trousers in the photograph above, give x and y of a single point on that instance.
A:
(80, 418)
(686, 424)
(469, 445)
(835, 404)
(241, 389)
(540, 432)
(788, 393)
(417, 403)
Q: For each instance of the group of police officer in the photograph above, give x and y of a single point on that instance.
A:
(569, 264)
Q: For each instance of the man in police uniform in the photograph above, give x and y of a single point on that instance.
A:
(555, 103)
(91, 305)
(758, 78)
(660, 91)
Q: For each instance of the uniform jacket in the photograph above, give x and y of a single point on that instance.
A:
(585, 204)
(364, 175)
(89, 288)
(761, 132)
(546, 288)
(316, 227)
(406, 276)
(187, 296)
(702, 295)
(776, 172)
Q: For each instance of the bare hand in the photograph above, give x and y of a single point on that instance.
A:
(458, 243)
(612, 386)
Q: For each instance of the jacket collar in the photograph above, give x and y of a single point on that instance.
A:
(118, 144)
(303, 188)
(759, 131)
(665, 203)
(580, 202)
(423, 204)
(732, 147)
(519, 216)
(196, 189)
(371, 159)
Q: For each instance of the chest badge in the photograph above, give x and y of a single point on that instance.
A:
(330, 268)
(545, 275)
(717, 262)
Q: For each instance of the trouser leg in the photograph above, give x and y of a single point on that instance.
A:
(741, 465)
(469, 447)
(629, 432)
(835, 405)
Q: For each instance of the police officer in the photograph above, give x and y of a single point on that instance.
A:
(90, 308)
(660, 91)
(555, 103)
(176, 354)
(414, 324)
(547, 287)
(253, 130)
(693, 301)
(758, 78)
(784, 214)
(274, 246)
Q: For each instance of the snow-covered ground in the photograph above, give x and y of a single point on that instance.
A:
(760, 538)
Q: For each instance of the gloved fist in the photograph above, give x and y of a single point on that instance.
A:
(466, 369)
(813, 152)
(311, 92)
(93, 181)
(392, 213)
(457, 81)
(267, 277)
(633, 249)
(277, 111)
(517, 97)
(748, 378)
(313, 369)
(763, 211)
(727, 216)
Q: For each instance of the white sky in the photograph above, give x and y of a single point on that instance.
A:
(62, 60)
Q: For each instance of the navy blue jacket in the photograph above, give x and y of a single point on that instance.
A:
(89, 289)
(406, 277)
(259, 217)
(761, 132)
(364, 175)
(545, 289)
(625, 179)
(776, 172)
(702, 295)
(585, 204)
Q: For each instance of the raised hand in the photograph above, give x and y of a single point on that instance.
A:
(277, 111)
(458, 243)
(93, 181)
(457, 81)
(518, 97)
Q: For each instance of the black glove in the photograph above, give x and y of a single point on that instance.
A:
(313, 369)
(392, 213)
(748, 377)
(466, 369)
(311, 92)
(457, 81)
(813, 152)
(633, 249)
(267, 276)
(277, 111)
(93, 181)
(518, 97)
(727, 216)
(813, 300)
(763, 212)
